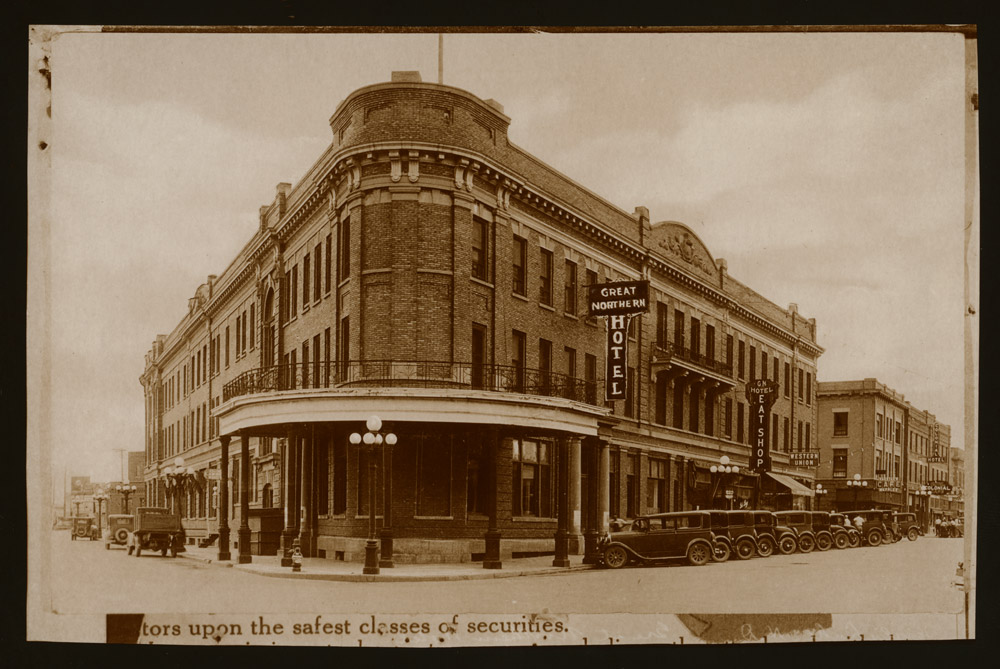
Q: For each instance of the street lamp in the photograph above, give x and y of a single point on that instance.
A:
(820, 491)
(372, 438)
(725, 468)
(125, 491)
(857, 484)
(100, 498)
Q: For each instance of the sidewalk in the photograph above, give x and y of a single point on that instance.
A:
(334, 570)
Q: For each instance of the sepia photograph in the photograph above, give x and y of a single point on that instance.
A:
(502, 336)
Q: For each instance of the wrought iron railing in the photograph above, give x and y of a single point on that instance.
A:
(682, 352)
(409, 374)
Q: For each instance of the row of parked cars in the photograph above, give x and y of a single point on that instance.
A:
(701, 536)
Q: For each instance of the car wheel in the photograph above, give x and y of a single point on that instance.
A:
(765, 547)
(121, 534)
(823, 542)
(874, 538)
(720, 551)
(853, 539)
(841, 541)
(912, 534)
(745, 549)
(699, 554)
(806, 543)
(615, 557)
(787, 545)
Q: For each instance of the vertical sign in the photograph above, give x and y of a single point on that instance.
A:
(617, 302)
(760, 394)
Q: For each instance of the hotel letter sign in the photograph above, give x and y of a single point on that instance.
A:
(617, 302)
(760, 394)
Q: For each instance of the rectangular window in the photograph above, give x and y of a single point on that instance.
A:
(710, 342)
(763, 364)
(801, 384)
(253, 324)
(306, 275)
(344, 346)
(899, 431)
(317, 268)
(840, 463)
(800, 442)
(316, 362)
(662, 330)
(197, 370)
(740, 422)
(292, 366)
(239, 325)
(243, 344)
(480, 248)
(840, 423)
(532, 478)
(774, 431)
(809, 390)
(742, 358)
(753, 363)
(591, 277)
(590, 376)
(520, 254)
(729, 352)
(569, 288)
(517, 361)
(344, 247)
(678, 328)
(326, 358)
(294, 301)
(630, 408)
(339, 478)
(545, 278)
(328, 264)
(631, 490)
(729, 418)
(614, 501)
(286, 285)
(695, 336)
(784, 436)
(570, 362)
(434, 475)
(775, 372)
(656, 487)
(545, 363)
(879, 425)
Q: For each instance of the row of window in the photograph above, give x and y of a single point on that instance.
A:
(316, 274)
(888, 429)
(189, 430)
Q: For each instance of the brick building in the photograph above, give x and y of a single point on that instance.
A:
(428, 271)
(869, 429)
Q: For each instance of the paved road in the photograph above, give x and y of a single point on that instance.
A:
(903, 577)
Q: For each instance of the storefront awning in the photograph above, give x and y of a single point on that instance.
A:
(794, 486)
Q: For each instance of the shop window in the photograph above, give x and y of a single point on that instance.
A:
(656, 487)
(532, 478)
(631, 491)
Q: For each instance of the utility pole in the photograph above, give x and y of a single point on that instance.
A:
(440, 58)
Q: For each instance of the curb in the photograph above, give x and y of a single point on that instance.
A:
(387, 578)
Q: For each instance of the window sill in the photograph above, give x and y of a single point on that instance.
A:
(547, 307)
(521, 297)
(482, 282)
(433, 517)
(532, 519)
(566, 314)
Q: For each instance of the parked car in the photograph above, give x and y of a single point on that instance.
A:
(84, 528)
(874, 531)
(659, 537)
(742, 533)
(772, 534)
(156, 529)
(826, 532)
(853, 534)
(801, 523)
(908, 525)
(119, 525)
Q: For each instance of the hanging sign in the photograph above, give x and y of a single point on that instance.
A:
(760, 394)
(617, 302)
(804, 458)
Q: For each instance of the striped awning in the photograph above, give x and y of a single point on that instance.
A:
(793, 486)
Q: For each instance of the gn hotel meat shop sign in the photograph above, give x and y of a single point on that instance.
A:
(617, 302)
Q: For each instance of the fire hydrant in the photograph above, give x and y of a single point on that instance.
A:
(296, 556)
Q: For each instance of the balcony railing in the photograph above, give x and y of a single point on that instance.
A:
(683, 353)
(410, 374)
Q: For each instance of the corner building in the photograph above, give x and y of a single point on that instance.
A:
(427, 271)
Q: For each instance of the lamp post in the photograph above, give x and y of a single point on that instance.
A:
(819, 492)
(372, 438)
(125, 491)
(100, 498)
(725, 468)
(857, 484)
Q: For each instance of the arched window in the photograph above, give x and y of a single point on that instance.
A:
(266, 496)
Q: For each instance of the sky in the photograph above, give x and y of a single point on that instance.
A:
(827, 169)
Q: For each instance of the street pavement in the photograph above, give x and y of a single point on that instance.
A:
(906, 577)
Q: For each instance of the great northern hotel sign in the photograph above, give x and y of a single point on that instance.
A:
(617, 302)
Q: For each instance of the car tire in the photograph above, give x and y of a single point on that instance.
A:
(853, 539)
(745, 549)
(824, 542)
(912, 534)
(121, 535)
(806, 544)
(875, 538)
(615, 557)
(765, 547)
(720, 551)
(698, 554)
(841, 541)
(787, 545)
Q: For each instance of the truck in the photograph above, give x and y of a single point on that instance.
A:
(156, 529)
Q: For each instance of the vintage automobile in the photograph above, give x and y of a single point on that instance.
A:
(771, 534)
(801, 523)
(874, 531)
(739, 529)
(156, 529)
(84, 528)
(825, 531)
(907, 525)
(659, 537)
(844, 521)
(119, 525)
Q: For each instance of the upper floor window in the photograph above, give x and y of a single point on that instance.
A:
(753, 363)
(695, 336)
(480, 249)
(306, 264)
(840, 463)
(840, 423)
(662, 333)
(545, 284)
(344, 250)
(520, 253)
(569, 288)
(742, 358)
(710, 342)
(809, 387)
(678, 328)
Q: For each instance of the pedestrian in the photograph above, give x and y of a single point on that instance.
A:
(937, 527)
(847, 521)
(859, 522)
